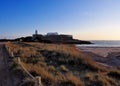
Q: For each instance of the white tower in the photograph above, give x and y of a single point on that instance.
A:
(36, 32)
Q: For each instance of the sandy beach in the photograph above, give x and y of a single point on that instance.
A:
(101, 51)
(107, 55)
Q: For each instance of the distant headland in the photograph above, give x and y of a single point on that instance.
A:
(51, 37)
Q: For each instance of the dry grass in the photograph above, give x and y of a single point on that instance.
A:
(22, 51)
(63, 68)
(62, 65)
(41, 72)
(114, 73)
(73, 79)
(100, 79)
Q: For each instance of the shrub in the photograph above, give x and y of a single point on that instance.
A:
(42, 64)
(99, 80)
(28, 82)
(89, 76)
(67, 83)
(51, 68)
(74, 80)
(102, 81)
(114, 73)
(33, 73)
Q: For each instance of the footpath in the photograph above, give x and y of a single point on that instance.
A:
(5, 76)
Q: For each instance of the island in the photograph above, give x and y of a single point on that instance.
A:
(52, 37)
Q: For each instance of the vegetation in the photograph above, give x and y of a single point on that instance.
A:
(61, 65)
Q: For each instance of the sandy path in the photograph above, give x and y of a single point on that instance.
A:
(5, 76)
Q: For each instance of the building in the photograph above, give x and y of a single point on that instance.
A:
(52, 37)
(36, 36)
(52, 33)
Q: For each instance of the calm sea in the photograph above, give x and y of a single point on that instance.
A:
(103, 44)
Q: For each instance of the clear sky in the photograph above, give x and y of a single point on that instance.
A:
(84, 19)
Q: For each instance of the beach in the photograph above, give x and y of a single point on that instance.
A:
(106, 55)
(101, 51)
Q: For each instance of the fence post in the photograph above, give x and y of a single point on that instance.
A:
(38, 81)
(18, 60)
(12, 54)
(9, 51)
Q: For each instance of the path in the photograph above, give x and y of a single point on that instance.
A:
(5, 76)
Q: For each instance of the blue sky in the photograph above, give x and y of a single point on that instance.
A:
(84, 19)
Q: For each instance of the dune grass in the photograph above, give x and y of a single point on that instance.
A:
(62, 65)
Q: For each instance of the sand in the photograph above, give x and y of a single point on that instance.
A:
(104, 55)
(101, 51)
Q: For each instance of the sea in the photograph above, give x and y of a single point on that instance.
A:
(102, 43)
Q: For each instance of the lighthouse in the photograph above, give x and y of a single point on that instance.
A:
(36, 32)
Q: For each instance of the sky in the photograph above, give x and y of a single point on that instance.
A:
(84, 19)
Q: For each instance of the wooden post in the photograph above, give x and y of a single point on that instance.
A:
(18, 60)
(8, 49)
(38, 81)
(12, 54)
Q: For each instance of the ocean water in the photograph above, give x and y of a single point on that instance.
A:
(102, 44)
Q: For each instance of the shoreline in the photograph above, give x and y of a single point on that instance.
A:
(101, 51)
